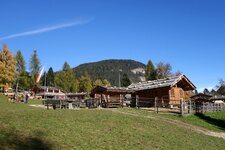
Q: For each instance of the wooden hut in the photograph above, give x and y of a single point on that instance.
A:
(169, 91)
(200, 98)
(110, 96)
(76, 96)
(48, 92)
(218, 100)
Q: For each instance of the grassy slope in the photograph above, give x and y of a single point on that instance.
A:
(213, 121)
(24, 127)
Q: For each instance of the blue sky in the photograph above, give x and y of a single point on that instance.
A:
(189, 34)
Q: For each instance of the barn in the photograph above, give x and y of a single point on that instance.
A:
(109, 97)
(168, 91)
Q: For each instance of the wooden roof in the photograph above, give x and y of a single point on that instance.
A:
(201, 95)
(182, 80)
(48, 87)
(115, 90)
(207, 98)
(217, 98)
(76, 94)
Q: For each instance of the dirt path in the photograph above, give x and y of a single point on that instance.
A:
(38, 106)
(178, 123)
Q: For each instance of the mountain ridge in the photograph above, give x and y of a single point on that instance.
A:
(111, 69)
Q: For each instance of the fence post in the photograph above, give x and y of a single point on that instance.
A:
(155, 103)
(190, 107)
(216, 107)
(203, 107)
(137, 98)
(181, 108)
(194, 107)
(121, 100)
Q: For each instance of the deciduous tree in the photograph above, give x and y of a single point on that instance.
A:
(106, 82)
(97, 82)
(163, 70)
(66, 80)
(7, 66)
(85, 83)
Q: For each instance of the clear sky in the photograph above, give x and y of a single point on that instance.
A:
(189, 34)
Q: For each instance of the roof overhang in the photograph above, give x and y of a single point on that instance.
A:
(185, 83)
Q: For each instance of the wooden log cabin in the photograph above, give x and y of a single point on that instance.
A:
(168, 91)
(48, 92)
(76, 96)
(200, 98)
(109, 97)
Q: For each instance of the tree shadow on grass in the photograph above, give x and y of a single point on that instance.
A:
(12, 140)
(220, 124)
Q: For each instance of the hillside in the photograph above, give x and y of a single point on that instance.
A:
(109, 69)
(25, 127)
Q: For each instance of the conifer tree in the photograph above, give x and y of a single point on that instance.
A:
(66, 80)
(125, 81)
(206, 91)
(221, 87)
(20, 63)
(150, 72)
(23, 79)
(34, 67)
(50, 77)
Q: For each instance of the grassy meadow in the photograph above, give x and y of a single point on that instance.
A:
(214, 121)
(26, 127)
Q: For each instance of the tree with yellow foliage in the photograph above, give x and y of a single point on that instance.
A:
(7, 67)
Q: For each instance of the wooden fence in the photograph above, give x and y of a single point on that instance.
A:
(182, 107)
(70, 103)
(191, 107)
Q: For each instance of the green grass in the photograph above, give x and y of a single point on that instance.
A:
(25, 127)
(35, 101)
(214, 121)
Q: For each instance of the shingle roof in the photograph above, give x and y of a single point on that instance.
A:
(168, 82)
(48, 87)
(103, 89)
(76, 94)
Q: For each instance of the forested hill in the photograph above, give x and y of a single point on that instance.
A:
(109, 69)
